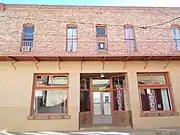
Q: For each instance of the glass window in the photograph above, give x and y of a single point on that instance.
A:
(151, 79)
(100, 84)
(118, 96)
(28, 36)
(129, 38)
(49, 101)
(84, 83)
(84, 101)
(118, 81)
(101, 31)
(155, 99)
(72, 39)
(28, 32)
(52, 80)
(176, 36)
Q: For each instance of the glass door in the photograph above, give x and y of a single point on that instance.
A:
(101, 101)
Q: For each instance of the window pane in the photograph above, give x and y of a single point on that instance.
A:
(100, 83)
(82, 82)
(118, 96)
(155, 99)
(50, 101)
(129, 33)
(176, 33)
(97, 109)
(52, 80)
(72, 32)
(72, 45)
(107, 108)
(84, 101)
(151, 79)
(101, 31)
(130, 44)
(177, 43)
(96, 97)
(28, 32)
(118, 81)
(87, 83)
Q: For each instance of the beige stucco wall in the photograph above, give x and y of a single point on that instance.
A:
(16, 87)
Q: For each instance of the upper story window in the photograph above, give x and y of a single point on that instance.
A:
(28, 37)
(101, 33)
(101, 30)
(71, 38)
(129, 37)
(176, 36)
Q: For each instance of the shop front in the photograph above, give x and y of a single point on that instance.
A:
(104, 99)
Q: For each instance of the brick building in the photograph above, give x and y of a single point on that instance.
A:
(67, 67)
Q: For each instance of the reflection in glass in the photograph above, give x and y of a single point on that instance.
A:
(107, 108)
(118, 81)
(100, 83)
(84, 101)
(155, 99)
(84, 83)
(97, 109)
(151, 79)
(96, 97)
(118, 96)
(52, 80)
(106, 97)
(50, 101)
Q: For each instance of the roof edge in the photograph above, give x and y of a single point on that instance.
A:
(79, 6)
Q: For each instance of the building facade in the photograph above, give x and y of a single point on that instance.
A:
(68, 67)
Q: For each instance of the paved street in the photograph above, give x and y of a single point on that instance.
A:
(132, 132)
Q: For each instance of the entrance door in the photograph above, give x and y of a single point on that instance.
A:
(102, 108)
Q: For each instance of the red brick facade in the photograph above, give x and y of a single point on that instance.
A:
(51, 22)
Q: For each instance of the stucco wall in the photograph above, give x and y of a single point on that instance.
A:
(16, 87)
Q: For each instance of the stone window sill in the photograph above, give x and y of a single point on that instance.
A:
(158, 114)
(48, 117)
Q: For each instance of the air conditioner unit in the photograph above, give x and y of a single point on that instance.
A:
(26, 48)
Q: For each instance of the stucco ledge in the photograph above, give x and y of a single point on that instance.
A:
(48, 117)
(158, 114)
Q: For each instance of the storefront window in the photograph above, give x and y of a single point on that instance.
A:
(154, 90)
(119, 92)
(50, 94)
(84, 94)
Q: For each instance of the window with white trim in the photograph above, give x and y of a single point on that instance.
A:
(130, 38)
(72, 39)
(176, 37)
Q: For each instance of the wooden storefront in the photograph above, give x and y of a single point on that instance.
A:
(104, 100)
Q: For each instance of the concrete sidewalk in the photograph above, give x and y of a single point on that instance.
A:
(163, 131)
